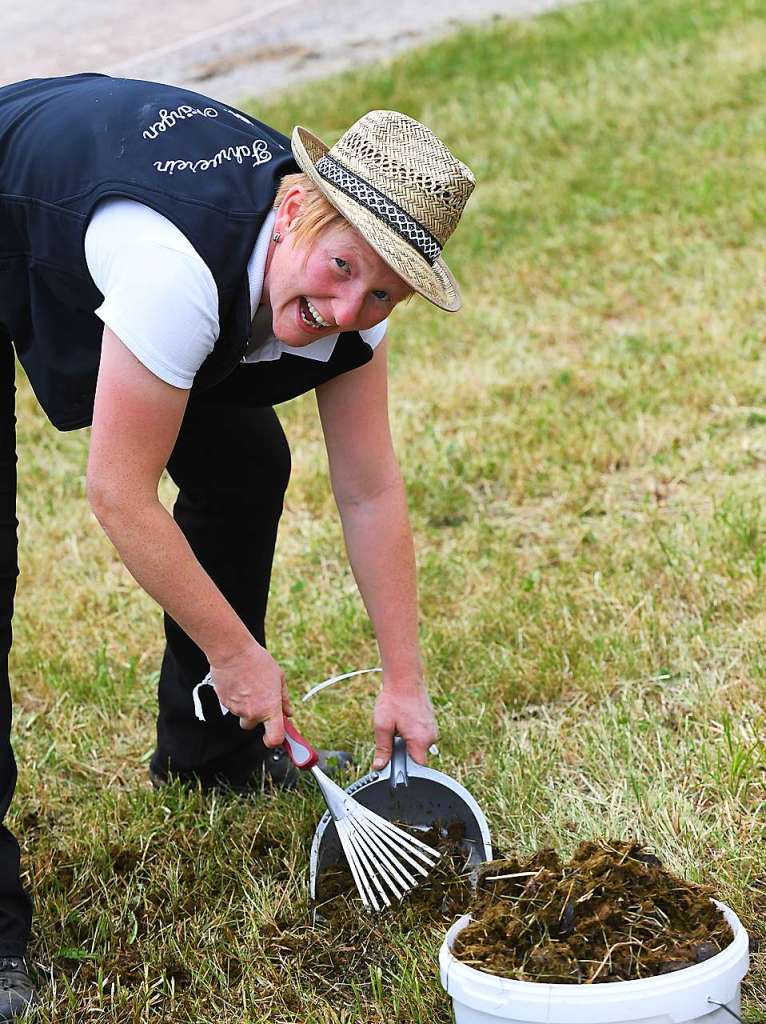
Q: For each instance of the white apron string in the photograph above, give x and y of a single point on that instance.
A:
(207, 681)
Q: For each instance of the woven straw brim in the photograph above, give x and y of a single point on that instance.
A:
(433, 282)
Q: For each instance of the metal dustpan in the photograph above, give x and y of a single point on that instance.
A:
(410, 793)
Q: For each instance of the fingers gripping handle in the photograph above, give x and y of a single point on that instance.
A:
(302, 754)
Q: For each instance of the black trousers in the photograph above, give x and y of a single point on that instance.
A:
(232, 464)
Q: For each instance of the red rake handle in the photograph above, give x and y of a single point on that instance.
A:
(302, 754)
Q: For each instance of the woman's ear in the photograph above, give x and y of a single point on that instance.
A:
(289, 209)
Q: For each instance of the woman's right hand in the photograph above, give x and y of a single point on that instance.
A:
(252, 686)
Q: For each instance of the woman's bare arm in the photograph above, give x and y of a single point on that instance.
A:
(136, 421)
(369, 491)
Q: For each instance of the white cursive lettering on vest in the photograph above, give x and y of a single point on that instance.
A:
(258, 152)
(168, 118)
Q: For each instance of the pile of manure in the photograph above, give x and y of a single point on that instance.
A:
(611, 913)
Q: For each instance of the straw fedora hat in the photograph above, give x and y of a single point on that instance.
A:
(400, 187)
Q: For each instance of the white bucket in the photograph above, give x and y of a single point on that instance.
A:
(691, 994)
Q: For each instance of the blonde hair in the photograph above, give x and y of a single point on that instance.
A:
(316, 212)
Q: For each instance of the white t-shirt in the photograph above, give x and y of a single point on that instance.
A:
(161, 299)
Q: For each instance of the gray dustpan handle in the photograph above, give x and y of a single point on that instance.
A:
(399, 758)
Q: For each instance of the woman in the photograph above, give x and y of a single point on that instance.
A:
(170, 269)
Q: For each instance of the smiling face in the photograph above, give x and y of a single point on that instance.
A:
(334, 283)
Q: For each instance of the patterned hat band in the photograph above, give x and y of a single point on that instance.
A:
(381, 206)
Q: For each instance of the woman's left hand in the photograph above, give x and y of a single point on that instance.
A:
(403, 708)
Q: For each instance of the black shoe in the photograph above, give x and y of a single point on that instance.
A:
(275, 771)
(17, 993)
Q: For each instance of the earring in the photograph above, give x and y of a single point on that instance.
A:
(277, 237)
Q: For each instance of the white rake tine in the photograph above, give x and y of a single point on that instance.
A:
(396, 842)
(396, 845)
(368, 897)
(398, 853)
(348, 851)
(388, 860)
(366, 875)
(388, 863)
(414, 846)
(385, 874)
(371, 869)
(410, 843)
(366, 864)
(392, 870)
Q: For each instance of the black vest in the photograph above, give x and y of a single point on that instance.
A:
(65, 144)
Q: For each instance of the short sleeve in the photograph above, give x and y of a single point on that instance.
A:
(160, 297)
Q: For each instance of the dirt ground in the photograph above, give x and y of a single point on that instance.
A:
(229, 48)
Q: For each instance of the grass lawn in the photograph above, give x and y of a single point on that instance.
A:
(585, 451)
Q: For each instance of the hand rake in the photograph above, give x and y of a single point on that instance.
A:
(380, 855)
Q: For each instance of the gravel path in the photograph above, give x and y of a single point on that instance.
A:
(227, 48)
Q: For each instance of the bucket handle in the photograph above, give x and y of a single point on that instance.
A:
(723, 1006)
